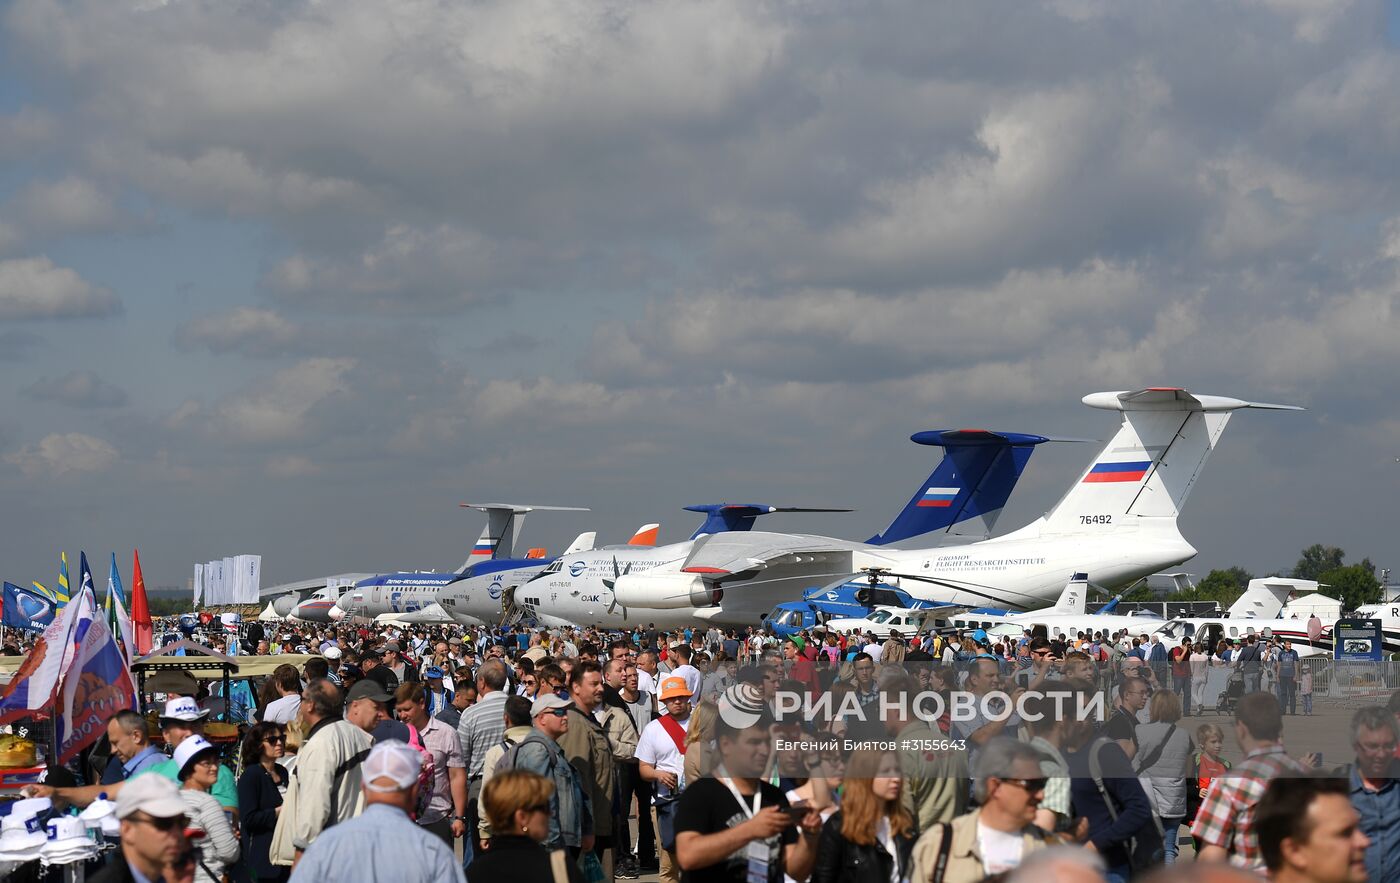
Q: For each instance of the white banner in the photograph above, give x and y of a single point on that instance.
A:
(214, 587)
(230, 580)
(249, 581)
(227, 581)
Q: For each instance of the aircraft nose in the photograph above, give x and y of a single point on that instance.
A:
(336, 613)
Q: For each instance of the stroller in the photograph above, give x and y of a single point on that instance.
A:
(1230, 696)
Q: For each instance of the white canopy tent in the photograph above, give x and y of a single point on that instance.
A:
(1327, 609)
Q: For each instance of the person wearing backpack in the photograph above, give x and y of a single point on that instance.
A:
(571, 810)
(1104, 789)
(325, 787)
(518, 727)
(444, 791)
(1163, 761)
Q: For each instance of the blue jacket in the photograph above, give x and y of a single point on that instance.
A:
(570, 813)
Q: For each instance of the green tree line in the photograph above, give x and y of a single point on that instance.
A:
(1352, 584)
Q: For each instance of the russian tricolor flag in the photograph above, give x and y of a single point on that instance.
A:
(483, 547)
(1133, 471)
(938, 497)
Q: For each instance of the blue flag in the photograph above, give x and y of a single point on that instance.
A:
(26, 609)
(84, 577)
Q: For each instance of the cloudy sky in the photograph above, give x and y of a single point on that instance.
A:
(295, 278)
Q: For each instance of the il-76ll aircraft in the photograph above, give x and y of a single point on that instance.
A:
(1118, 522)
(961, 498)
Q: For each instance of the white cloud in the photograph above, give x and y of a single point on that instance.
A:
(63, 454)
(1312, 19)
(70, 204)
(24, 131)
(408, 269)
(36, 288)
(249, 330)
(824, 335)
(292, 466)
(278, 408)
(78, 389)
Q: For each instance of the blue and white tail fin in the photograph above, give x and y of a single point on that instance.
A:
(1072, 599)
(1147, 470)
(722, 517)
(969, 488)
(503, 524)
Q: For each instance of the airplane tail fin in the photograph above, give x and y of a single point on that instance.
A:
(538, 552)
(1264, 598)
(645, 535)
(1147, 470)
(1072, 599)
(969, 488)
(503, 524)
(721, 517)
(583, 543)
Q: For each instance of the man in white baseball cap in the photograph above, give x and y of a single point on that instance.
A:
(153, 819)
(382, 843)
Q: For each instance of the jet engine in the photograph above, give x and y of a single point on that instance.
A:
(667, 591)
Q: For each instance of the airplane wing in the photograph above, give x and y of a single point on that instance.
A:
(728, 555)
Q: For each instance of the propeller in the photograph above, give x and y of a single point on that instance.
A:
(611, 585)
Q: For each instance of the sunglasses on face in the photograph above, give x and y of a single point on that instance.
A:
(164, 825)
(558, 712)
(275, 740)
(1031, 785)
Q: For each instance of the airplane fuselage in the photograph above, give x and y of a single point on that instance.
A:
(1014, 572)
(392, 593)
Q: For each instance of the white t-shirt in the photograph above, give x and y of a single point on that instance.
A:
(656, 747)
(875, 651)
(282, 711)
(645, 682)
(693, 679)
(1000, 851)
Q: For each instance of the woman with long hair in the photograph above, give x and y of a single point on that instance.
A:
(516, 803)
(870, 839)
(260, 791)
(700, 741)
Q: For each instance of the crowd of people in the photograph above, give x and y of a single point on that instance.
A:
(576, 755)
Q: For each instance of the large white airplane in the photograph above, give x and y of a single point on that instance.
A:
(409, 592)
(1118, 522)
(962, 497)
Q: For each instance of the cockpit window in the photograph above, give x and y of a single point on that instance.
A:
(879, 616)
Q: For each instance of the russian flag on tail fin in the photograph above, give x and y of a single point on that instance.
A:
(938, 497)
(970, 486)
(485, 546)
(1130, 471)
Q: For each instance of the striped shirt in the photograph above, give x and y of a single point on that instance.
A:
(482, 725)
